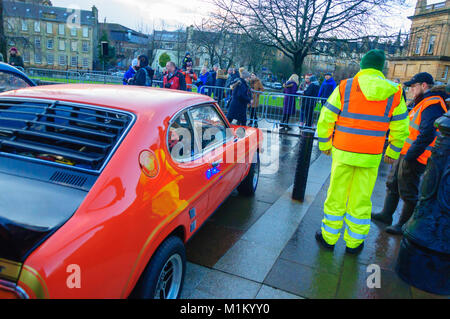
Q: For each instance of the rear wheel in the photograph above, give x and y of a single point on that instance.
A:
(250, 183)
(163, 278)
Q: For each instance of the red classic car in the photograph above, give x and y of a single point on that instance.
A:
(101, 187)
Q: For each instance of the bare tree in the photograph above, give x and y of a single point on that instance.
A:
(294, 26)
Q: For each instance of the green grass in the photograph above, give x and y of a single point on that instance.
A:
(48, 79)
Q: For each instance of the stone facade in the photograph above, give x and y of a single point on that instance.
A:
(429, 48)
(51, 37)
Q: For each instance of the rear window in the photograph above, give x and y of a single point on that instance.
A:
(70, 134)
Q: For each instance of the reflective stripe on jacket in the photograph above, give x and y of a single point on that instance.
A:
(362, 125)
(376, 91)
(415, 117)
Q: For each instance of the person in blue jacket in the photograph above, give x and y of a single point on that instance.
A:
(327, 86)
(202, 80)
(131, 72)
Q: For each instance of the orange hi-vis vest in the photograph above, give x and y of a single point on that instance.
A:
(362, 124)
(415, 117)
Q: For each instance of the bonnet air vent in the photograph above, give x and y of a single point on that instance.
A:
(70, 134)
(68, 179)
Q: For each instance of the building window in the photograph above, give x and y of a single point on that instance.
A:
(37, 58)
(24, 25)
(418, 45)
(37, 26)
(85, 32)
(445, 73)
(50, 44)
(62, 60)
(26, 56)
(85, 46)
(86, 63)
(74, 61)
(11, 24)
(62, 45)
(49, 27)
(431, 44)
(61, 29)
(74, 46)
(50, 59)
(37, 43)
(73, 32)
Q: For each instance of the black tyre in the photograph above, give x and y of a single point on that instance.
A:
(250, 183)
(163, 278)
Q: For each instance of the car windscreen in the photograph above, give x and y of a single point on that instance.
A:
(76, 135)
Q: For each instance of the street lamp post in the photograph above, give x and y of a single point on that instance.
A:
(424, 256)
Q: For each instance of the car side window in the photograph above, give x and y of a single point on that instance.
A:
(209, 126)
(10, 82)
(180, 138)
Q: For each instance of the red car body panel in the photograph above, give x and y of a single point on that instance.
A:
(126, 214)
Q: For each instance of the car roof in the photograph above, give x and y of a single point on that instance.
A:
(136, 99)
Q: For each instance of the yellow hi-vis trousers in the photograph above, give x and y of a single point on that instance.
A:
(348, 199)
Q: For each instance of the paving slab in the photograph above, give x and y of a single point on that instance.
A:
(220, 285)
(302, 280)
(267, 292)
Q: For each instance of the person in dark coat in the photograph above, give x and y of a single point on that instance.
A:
(15, 59)
(290, 89)
(327, 86)
(220, 83)
(211, 81)
(144, 74)
(240, 98)
(308, 104)
(187, 59)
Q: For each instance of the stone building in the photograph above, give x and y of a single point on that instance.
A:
(429, 48)
(174, 43)
(51, 37)
(127, 42)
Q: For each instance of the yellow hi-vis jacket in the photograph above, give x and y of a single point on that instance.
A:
(375, 87)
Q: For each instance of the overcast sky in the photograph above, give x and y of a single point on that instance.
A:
(144, 14)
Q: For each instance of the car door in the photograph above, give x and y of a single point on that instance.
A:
(217, 142)
(191, 183)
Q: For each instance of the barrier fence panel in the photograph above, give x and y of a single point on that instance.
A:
(54, 75)
(292, 109)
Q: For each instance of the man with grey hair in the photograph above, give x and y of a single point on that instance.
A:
(174, 79)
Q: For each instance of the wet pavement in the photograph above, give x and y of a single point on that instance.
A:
(264, 246)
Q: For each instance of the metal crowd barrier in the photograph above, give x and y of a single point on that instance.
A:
(292, 109)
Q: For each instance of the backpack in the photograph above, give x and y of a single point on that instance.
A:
(148, 78)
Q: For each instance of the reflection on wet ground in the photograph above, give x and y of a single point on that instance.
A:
(238, 213)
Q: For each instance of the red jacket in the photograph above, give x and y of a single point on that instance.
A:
(175, 82)
(189, 80)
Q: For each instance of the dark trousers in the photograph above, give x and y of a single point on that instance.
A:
(285, 120)
(404, 179)
(253, 116)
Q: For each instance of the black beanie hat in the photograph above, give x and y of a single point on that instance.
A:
(374, 59)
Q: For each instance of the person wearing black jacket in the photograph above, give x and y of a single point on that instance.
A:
(404, 177)
(144, 74)
(309, 101)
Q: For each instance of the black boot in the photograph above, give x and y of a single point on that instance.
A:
(322, 241)
(356, 250)
(407, 211)
(390, 205)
